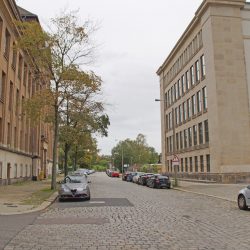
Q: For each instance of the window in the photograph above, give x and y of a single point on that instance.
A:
(26, 170)
(179, 88)
(177, 141)
(25, 74)
(1, 130)
(208, 162)
(15, 137)
(14, 56)
(195, 134)
(170, 120)
(20, 66)
(187, 81)
(203, 66)
(181, 164)
(202, 163)
(200, 129)
(206, 131)
(17, 101)
(170, 144)
(204, 97)
(185, 138)
(197, 71)
(190, 164)
(167, 145)
(180, 113)
(196, 163)
(183, 85)
(21, 170)
(15, 171)
(193, 105)
(2, 85)
(9, 134)
(181, 141)
(177, 116)
(186, 164)
(169, 98)
(11, 96)
(1, 170)
(192, 75)
(198, 95)
(184, 105)
(6, 48)
(175, 92)
(190, 137)
(189, 108)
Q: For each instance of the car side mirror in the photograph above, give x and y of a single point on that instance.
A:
(248, 186)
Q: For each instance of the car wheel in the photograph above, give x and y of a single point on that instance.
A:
(242, 202)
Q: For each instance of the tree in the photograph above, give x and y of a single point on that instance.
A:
(57, 55)
(134, 152)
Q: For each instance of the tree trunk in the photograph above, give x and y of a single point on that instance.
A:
(56, 137)
(66, 153)
(75, 158)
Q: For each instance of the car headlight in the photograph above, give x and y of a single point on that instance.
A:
(81, 189)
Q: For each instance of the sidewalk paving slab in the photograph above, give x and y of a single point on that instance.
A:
(17, 198)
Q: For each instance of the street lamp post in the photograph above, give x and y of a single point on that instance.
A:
(173, 126)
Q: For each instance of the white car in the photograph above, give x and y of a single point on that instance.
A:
(244, 198)
(136, 176)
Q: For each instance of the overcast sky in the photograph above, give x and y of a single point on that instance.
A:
(135, 37)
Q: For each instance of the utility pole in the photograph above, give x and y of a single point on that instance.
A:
(122, 159)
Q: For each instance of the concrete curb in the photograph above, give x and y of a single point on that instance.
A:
(208, 195)
(43, 206)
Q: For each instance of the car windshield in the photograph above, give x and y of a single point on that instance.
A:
(75, 179)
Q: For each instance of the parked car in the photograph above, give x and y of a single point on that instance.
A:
(136, 176)
(74, 187)
(130, 176)
(142, 180)
(159, 181)
(244, 198)
(125, 175)
(115, 174)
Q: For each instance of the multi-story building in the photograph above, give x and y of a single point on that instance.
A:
(25, 148)
(205, 93)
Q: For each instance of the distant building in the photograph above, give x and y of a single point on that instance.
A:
(205, 88)
(25, 150)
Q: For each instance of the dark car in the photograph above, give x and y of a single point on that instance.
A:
(159, 181)
(130, 176)
(143, 178)
(125, 175)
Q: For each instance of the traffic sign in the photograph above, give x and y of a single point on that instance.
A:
(176, 161)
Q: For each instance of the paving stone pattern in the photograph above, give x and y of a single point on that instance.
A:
(160, 219)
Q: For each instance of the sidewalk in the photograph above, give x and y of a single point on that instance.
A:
(227, 192)
(26, 197)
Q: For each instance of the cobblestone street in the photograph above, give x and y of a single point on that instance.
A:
(142, 218)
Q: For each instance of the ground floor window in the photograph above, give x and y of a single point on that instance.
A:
(1, 170)
(208, 162)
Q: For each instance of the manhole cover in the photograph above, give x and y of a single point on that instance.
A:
(71, 220)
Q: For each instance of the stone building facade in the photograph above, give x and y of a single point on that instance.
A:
(25, 149)
(205, 93)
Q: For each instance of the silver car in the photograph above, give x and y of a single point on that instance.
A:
(244, 198)
(74, 187)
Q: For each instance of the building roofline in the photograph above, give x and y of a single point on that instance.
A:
(201, 9)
